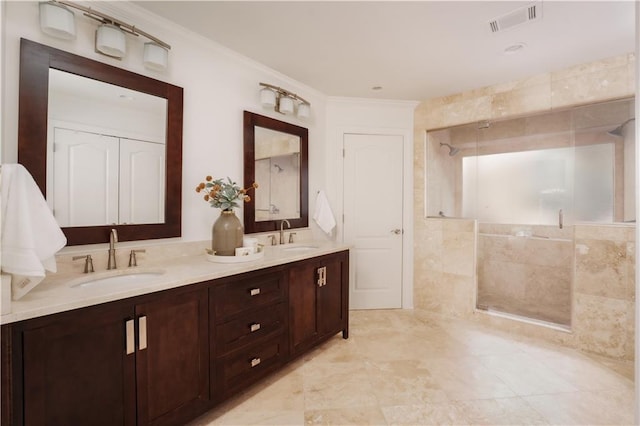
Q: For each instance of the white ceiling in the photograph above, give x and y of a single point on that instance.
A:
(414, 50)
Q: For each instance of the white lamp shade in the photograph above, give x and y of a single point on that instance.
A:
(110, 40)
(57, 21)
(304, 110)
(155, 56)
(267, 98)
(286, 105)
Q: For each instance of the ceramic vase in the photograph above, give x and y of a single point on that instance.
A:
(226, 234)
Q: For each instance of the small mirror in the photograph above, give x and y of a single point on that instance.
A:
(275, 157)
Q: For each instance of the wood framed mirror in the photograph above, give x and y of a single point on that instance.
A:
(276, 158)
(35, 146)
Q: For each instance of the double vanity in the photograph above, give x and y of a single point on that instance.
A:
(164, 342)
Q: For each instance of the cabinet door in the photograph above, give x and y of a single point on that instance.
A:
(77, 370)
(332, 297)
(318, 300)
(172, 357)
(303, 323)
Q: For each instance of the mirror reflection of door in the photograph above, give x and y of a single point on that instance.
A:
(277, 172)
(106, 153)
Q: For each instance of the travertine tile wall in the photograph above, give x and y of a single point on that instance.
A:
(445, 249)
(607, 79)
(529, 275)
(444, 258)
(604, 289)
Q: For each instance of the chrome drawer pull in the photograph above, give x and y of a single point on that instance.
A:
(254, 362)
(322, 276)
(130, 332)
(254, 291)
(255, 326)
(142, 324)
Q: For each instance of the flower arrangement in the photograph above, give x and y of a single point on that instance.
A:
(223, 194)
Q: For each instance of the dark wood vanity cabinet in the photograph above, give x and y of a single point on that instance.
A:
(76, 370)
(164, 358)
(318, 300)
(173, 371)
(113, 364)
(250, 328)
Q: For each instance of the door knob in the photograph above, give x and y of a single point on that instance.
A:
(396, 231)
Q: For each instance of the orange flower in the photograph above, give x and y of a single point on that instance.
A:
(224, 193)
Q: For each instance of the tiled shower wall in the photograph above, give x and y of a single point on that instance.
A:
(445, 249)
(528, 275)
(604, 289)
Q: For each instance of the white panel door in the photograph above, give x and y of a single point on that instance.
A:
(373, 200)
(141, 181)
(85, 178)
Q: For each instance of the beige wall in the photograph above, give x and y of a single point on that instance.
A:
(604, 289)
(527, 275)
(445, 249)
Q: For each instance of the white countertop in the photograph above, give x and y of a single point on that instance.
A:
(55, 293)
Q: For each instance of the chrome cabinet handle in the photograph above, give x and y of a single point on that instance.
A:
(254, 362)
(130, 333)
(254, 327)
(254, 291)
(322, 276)
(142, 324)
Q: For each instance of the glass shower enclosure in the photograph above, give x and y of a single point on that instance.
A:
(526, 181)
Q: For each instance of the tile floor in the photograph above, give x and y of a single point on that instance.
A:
(411, 368)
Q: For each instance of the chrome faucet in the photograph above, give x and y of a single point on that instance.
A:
(113, 239)
(282, 229)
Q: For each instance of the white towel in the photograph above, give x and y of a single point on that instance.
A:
(323, 214)
(30, 234)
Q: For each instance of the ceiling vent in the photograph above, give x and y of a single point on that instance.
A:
(518, 17)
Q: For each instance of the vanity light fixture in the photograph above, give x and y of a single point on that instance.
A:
(304, 110)
(268, 98)
(156, 57)
(286, 105)
(110, 41)
(284, 101)
(57, 20)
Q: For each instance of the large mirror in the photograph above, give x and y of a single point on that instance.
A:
(117, 161)
(276, 157)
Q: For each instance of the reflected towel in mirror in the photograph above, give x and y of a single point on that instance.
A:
(30, 234)
(323, 214)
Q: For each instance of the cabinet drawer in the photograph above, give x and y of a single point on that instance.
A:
(247, 294)
(249, 328)
(245, 366)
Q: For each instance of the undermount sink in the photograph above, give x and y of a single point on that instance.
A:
(118, 277)
(299, 248)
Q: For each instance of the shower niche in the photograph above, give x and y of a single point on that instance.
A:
(527, 181)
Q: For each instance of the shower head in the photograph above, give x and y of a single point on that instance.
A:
(618, 130)
(452, 150)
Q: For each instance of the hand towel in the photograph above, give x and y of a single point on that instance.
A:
(323, 214)
(30, 234)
